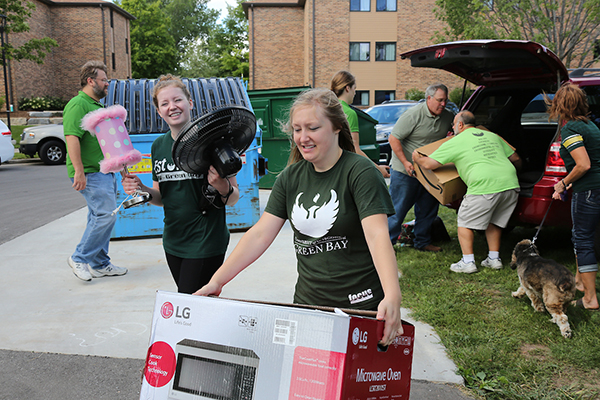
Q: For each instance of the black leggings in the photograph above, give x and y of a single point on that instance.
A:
(190, 274)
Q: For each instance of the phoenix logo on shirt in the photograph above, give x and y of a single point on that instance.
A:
(316, 220)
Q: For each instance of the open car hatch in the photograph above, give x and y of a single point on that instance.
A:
(492, 62)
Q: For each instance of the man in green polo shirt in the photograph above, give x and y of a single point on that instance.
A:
(418, 126)
(90, 259)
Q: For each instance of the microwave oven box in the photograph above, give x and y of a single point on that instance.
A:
(443, 183)
(213, 348)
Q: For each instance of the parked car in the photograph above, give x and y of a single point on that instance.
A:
(536, 111)
(450, 106)
(387, 113)
(511, 76)
(7, 149)
(46, 140)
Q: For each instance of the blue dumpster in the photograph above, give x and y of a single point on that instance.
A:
(145, 125)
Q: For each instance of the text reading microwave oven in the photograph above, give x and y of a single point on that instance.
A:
(209, 371)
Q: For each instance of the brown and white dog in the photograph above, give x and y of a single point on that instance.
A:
(546, 283)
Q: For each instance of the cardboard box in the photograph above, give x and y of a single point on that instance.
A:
(443, 183)
(213, 348)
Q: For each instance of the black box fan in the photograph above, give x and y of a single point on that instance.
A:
(216, 138)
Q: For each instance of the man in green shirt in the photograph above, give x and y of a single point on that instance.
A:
(418, 126)
(90, 259)
(486, 164)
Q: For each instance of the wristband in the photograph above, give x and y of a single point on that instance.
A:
(226, 197)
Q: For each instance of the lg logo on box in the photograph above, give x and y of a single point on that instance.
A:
(167, 310)
(359, 337)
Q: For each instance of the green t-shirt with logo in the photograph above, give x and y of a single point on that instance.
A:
(481, 159)
(188, 232)
(91, 153)
(325, 210)
(580, 134)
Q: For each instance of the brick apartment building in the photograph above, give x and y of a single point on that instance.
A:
(304, 42)
(84, 30)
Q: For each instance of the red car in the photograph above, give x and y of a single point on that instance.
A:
(512, 75)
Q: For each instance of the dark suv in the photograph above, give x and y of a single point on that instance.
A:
(512, 76)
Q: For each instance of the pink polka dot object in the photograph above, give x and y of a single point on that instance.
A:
(108, 126)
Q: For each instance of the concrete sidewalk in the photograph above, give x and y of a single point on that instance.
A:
(47, 309)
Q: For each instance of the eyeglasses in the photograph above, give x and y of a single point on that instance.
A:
(102, 80)
(442, 100)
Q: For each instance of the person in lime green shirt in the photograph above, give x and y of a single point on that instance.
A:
(486, 164)
(90, 259)
(343, 84)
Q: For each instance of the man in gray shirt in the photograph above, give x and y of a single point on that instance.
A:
(420, 125)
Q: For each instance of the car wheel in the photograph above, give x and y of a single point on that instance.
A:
(53, 152)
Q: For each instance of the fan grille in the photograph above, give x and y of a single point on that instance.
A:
(234, 125)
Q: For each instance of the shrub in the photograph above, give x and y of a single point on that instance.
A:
(455, 95)
(42, 103)
(2, 102)
(414, 94)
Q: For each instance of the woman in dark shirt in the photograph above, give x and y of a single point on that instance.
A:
(580, 150)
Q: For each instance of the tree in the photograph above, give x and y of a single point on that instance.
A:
(190, 20)
(17, 13)
(197, 62)
(225, 50)
(570, 28)
(153, 50)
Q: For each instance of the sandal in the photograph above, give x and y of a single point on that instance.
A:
(579, 304)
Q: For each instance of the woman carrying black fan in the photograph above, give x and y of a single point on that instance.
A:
(195, 237)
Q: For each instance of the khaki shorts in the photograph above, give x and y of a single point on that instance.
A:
(477, 211)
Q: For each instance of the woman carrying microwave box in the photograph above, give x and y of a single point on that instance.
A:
(337, 203)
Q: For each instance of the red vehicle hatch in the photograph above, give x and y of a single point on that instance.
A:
(492, 62)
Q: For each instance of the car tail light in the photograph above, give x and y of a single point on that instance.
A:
(7, 133)
(555, 165)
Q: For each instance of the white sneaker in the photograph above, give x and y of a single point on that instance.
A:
(493, 263)
(464, 267)
(81, 270)
(109, 270)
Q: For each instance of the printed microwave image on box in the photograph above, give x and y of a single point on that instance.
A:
(209, 371)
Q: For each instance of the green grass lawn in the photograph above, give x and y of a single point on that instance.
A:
(501, 346)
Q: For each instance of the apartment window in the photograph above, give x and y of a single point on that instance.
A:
(361, 98)
(386, 5)
(114, 62)
(360, 5)
(360, 51)
(126, 46)
(384, 95)
(385, 51)
(112, 21)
